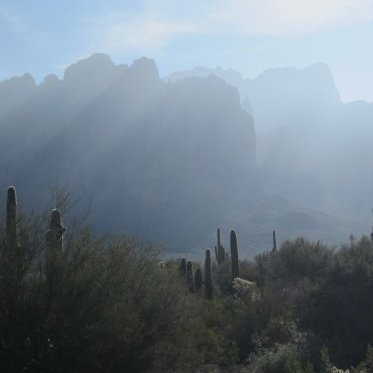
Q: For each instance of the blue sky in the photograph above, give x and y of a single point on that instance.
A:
(42, 37)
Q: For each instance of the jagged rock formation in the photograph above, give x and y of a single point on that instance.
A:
(156, 159)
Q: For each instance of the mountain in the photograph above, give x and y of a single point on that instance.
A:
(171, 160)
(312, 148)
(165, 161)
(293, 95)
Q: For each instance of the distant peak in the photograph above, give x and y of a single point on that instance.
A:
(314, 82)
(229, 75)
(146, 67)
(26, 80)
(320, 68)
(96, 58)
(51, 79)
(50, 82)
(97, 63)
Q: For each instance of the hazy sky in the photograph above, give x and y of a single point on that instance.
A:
(43, 37)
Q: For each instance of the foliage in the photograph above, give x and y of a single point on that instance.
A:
(70, 301)
(109, 306)
(283, 358)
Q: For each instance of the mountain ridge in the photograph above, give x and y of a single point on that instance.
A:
(170, 161)
(150, 151)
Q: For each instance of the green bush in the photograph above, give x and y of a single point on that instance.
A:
(109, 306)
(280, 359)
(72, 302)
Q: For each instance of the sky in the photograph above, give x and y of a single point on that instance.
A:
(42, 37)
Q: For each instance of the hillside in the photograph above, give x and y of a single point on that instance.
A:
(312, 148)
(169, 161)
(165, 161)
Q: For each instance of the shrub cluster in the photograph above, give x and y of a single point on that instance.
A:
(72, 302)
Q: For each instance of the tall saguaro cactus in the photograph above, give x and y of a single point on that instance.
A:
(11, 217)
(56, 231)
(54, 250)
(208, 276)
(234, 255)
(183, 266)
(189, 275)
(219, 250)
(274, 241)
(198, 280)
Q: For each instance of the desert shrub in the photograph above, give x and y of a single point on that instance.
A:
(293, 261)
(108, 306)
(283, 358)
(341, 308)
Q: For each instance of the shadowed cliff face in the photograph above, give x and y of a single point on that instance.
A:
(281, 96)
(311, 148)
(15, 92)
(171, 161)
(166, 161)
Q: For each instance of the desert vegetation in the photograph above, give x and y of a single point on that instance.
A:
(70, 301)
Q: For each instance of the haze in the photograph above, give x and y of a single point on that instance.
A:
(249, 36)
(165, 145)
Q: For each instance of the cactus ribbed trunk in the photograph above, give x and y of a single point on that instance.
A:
(189, 275)
(234, 255)
(11, 217)
(208, 276)
(54, 251)
(219, 250)
(274, 241)
(56, 231)
(183, 266)
(198, 280)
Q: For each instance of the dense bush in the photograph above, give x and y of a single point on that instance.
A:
(111, 305)
(107, 307)
(101, 305)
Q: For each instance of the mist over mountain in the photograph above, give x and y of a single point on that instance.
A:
(170, 160)
(166, 161)
(292, 93)
(312, 148)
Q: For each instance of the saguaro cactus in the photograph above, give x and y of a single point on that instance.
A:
(54, 250)
(274, 241)
(208, 276)
(219, 250)
(11, 217)
(183, 266)
(198, 280)
(234, 255)
(56, 231)
(189, 275)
